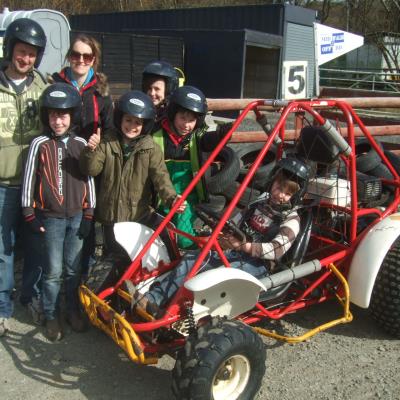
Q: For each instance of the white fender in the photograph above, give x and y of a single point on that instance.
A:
(223, 292)
(368, 258)
(132, 236)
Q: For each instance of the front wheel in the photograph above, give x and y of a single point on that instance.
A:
(385, 299)
(224, 360)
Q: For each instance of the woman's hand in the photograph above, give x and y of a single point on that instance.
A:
(94, 140)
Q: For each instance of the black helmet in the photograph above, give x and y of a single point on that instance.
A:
(60, 96)
(295, 170)
(139, 105)
(27, 31)
(189, 98)
(163, 70)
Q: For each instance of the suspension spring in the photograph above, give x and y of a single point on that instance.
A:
(191, 323)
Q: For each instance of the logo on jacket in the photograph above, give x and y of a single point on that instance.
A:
(59, 169)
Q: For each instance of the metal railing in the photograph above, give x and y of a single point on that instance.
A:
(356, 79)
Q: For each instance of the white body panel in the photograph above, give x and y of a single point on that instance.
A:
(132, 236)
(368, 259)
(331, 190)
(223, 292)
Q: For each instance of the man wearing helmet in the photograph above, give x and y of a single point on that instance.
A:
(58, 201)
(271, 225)
(20, 87)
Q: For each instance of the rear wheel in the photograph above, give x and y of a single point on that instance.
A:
(385, 300)
(224, 360)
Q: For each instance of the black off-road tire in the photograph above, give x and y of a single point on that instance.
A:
(218, 181)
(385, 299)
(205, 355)
(247, 153)
(366, 157)
(394, 160)
(101, 275)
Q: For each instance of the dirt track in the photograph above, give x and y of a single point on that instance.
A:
(353, 361)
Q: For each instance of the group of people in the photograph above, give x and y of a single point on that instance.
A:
(42, 134)
(69, 157)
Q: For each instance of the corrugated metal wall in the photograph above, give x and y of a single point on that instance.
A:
(264, 18)
(299, 46)
(261, 72)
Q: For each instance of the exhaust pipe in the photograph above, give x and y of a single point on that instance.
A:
(291, 274)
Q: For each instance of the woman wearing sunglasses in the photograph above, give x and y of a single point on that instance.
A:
(83, 57)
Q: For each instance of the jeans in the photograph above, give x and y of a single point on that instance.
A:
(10, 212)
(162, 290)
(33, 266)
(62, 247)
(88, 258)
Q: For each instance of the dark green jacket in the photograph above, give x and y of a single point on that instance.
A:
(125, 192)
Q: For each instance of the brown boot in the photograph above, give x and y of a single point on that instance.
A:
(77, 322)
(53, 330)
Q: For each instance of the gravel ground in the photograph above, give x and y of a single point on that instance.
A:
(352, 361)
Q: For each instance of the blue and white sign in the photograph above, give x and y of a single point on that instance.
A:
(331, 43)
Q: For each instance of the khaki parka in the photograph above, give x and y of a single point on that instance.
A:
(125, 189)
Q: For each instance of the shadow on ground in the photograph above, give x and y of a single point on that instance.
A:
(87, 365)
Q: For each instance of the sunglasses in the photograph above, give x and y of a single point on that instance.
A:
(76, 56)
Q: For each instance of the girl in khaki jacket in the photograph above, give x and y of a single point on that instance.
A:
(130, 165)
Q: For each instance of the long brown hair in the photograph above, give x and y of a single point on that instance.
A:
(92, 43)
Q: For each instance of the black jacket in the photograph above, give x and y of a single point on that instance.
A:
(53, 182)
(95, 96)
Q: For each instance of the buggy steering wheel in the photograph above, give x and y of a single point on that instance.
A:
(212, 218)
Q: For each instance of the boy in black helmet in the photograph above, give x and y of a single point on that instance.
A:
(159, 81)
(58, 202)
(20, 88)
(129, 164)
(183, 137)
(271, 225)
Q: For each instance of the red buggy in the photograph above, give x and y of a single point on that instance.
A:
(348, 250)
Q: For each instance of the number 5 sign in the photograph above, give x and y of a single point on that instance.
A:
(294, 80)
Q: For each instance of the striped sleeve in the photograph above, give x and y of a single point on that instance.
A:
(28, 183)
(91, 193)
(281, 243)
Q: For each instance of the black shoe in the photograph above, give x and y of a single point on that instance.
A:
(53, 330)
(77, 322)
